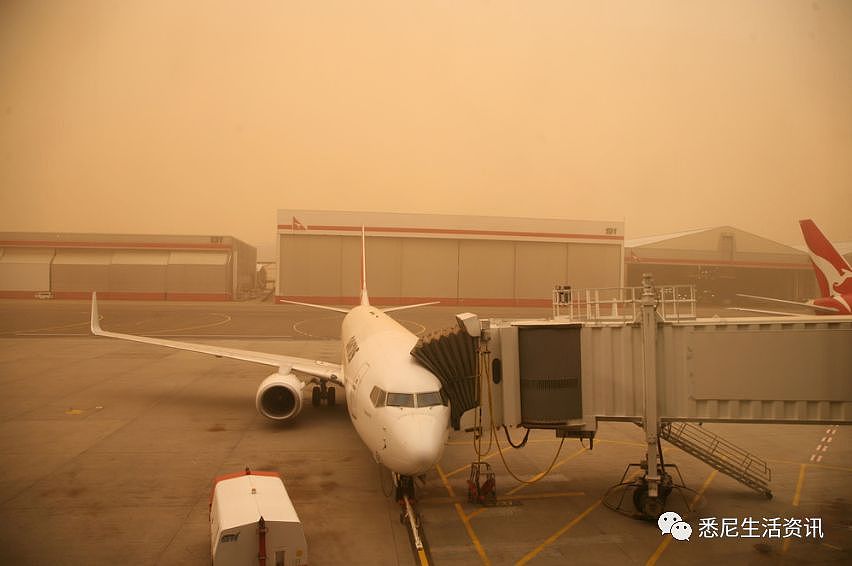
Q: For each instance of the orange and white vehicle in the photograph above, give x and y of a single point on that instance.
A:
(253, 521)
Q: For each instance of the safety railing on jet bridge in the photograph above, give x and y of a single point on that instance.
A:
(674, 302)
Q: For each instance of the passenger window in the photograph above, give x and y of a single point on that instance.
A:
(430, 399)
(400, 400)
(377, 396)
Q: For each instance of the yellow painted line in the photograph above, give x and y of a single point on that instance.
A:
(530, 441)
(811, 465)
(664, 544)
(468, 527)
(797, 496)
(546, 495)
(799, 483)
(554, 440)
(467, 467)
(443, 477)
(704, 487)
(300, 322)
(516, 489)
(531, 497)
(552, 538)
(421, 554)
(168, 331)
(473, 538)
(74, 412)
(419, 332)
(623, 442)
(667, 540)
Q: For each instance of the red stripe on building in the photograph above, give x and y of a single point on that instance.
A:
(399, 301)
(715, 262)
(451, 232)
(110, 245)
(116, 296)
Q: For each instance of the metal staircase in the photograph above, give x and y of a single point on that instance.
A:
(719, 453)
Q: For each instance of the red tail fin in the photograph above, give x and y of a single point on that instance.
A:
(832, 271)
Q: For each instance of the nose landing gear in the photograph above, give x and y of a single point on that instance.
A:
(411, 518)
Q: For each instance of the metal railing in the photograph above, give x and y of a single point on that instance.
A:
(720, 454)
(674, 302)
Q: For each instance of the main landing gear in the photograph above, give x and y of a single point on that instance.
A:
(320, 392)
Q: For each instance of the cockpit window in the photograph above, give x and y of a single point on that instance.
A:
(381, 398)
(430, 399)
(400, 400)
(377, 396)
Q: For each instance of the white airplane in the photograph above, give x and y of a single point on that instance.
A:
(397, 406)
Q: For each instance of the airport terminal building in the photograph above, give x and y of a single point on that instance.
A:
(124, 266)
(457, 260)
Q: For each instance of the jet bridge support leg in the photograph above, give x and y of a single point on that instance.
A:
(655, 473)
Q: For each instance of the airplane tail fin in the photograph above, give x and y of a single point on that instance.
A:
(832, 271)
(365, 299)
(95, 322)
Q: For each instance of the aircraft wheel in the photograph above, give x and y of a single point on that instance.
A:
(316, 396)
(329, 399)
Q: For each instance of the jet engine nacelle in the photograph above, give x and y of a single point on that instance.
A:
(279, 396)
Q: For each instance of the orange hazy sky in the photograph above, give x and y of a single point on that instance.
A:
(205, 117)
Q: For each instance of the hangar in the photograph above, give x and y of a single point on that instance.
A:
(124, 266)
(721, 262)
(458, 260)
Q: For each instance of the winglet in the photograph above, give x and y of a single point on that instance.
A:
(96, 323)
(365, 300)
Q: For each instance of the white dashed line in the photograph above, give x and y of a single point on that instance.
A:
(823, 446)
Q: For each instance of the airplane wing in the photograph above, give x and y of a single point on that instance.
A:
(791, 303)
(319, 370)
(404, 307)
(761, 311)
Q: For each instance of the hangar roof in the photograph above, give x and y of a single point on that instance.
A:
(720, 245)
(115, 241)
(449, 226)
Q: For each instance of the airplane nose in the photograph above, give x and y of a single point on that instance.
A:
(421, 441)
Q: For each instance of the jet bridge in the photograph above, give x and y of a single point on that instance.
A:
(569, 375)
(641, 355)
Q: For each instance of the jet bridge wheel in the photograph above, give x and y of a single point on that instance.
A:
(652, 507)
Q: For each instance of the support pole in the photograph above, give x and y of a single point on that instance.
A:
(649, 374)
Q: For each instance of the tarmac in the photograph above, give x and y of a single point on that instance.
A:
(108, 450)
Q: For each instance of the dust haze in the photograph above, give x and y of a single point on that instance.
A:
(206, 117)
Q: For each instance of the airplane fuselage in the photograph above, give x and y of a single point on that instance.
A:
(396, 405)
